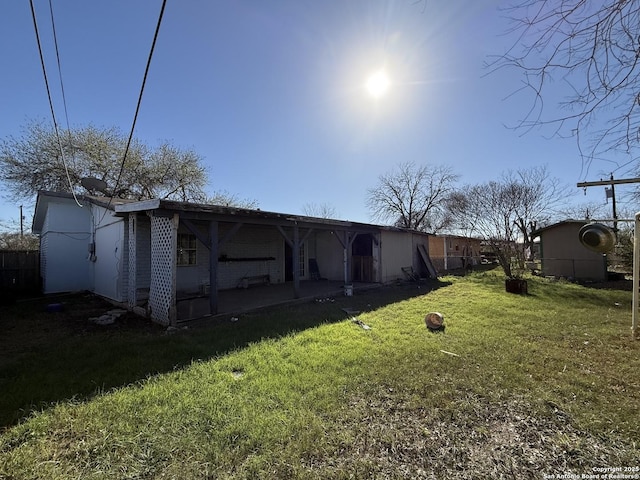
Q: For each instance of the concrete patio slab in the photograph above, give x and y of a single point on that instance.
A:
(242, 300)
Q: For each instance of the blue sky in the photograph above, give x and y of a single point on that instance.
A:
(272, 95)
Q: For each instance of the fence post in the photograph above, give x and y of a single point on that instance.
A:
(636, 277)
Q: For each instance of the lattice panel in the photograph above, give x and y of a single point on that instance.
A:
(133, 262)
(163, 269)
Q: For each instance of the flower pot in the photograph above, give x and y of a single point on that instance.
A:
(516, 285)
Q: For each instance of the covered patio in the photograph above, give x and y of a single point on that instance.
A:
(188, 261)
(240, 300)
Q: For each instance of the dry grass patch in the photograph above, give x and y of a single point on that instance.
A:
(387, 436)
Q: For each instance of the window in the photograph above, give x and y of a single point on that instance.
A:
(186, 249)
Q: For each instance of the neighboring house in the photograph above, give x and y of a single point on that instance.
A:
(454, 252)
(149, 254)
(562, 254)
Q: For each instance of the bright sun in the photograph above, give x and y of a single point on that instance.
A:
(378, 84)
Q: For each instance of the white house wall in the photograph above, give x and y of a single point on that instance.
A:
(256, 241)
(109, 261)
(66, 235)
(329, 255)
(397, 252)
(251, 242)
(191, 278)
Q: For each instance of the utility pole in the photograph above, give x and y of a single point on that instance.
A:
(611, 182)
(21, 223)
(613, 203)
(636, 248)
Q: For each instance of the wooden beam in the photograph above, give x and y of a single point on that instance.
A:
(230, 234)
(213, 268)
(306, 236)
(142, 205)
(609, 182)
(284, 234)
(335, 234)
(296, 261)
(193, 229)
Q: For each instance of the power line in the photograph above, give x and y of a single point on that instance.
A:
(135, 117)
(64, 98)
(53, 115)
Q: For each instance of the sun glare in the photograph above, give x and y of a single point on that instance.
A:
(378, 84)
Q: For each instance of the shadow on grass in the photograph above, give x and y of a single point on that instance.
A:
(48, 357)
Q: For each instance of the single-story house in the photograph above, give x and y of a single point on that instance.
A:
(151, 255)
(562, 254)
(453, 252)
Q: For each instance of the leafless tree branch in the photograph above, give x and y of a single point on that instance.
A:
(593, 48)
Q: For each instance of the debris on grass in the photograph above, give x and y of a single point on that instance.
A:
(450, 353)
(434, 322)
(171, 329)
(55, 307)
(325, 300)
(108, 318)
(360, 323)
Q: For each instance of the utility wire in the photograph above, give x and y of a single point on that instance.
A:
(53, 115)
(135, 117)
(64, 98)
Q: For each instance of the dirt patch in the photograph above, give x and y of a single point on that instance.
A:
(474, 438)
(623, 284)
(33, 323)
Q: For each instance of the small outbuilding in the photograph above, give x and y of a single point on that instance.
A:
(562, 254)
(454, 252)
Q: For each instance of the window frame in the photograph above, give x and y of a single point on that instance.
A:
(186, 255)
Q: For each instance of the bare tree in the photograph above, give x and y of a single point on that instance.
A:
(412, 196)
(541, 198)
(323, 210)
(505, 212)
(488, 211)
(586, 211)
(593, 49)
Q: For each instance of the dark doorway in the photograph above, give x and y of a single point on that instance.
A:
(288, 263)
(362, 257)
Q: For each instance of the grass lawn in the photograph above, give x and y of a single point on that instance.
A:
(516, 387)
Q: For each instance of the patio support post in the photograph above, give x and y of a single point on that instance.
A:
(346, 242)
(213, 267)
(132, 293)
(635, 302)
(295, 252)
(162, 288)
(345, 262)
(444, 249)
(296, 261)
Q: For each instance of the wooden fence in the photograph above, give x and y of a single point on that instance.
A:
(19, 271)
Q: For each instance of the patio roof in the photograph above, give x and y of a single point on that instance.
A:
(198, 211)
